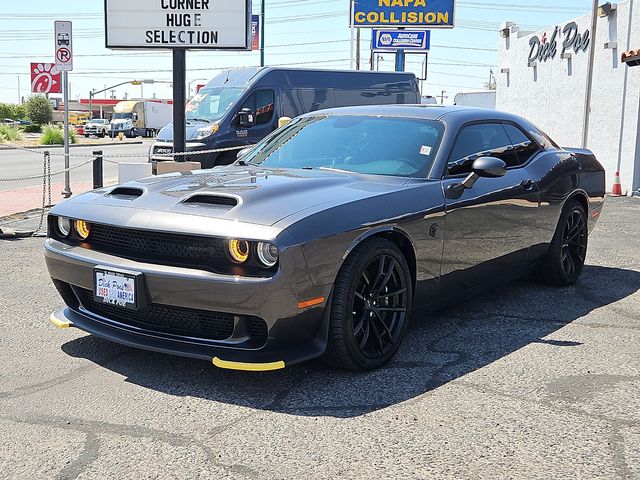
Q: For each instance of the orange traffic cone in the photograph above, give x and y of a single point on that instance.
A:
(617, 186)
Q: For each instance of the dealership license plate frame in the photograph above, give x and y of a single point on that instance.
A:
(137, 278)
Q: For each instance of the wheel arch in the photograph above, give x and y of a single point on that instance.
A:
(582, 197)
(397, 236)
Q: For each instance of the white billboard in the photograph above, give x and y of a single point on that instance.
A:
(192, 24)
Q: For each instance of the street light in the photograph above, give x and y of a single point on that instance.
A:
(93, 93)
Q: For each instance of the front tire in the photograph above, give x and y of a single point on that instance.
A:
(371, 307)
(564, 262)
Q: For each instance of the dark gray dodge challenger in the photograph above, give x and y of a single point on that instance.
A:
(324, 237)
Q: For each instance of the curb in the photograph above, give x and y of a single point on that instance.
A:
(75, 145)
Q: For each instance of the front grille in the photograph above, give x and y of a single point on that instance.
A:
(159, 247)
(186, 322)
(162, 150)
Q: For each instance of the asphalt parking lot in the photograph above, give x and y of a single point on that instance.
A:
(523, 382)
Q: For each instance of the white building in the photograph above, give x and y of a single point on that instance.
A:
(543, 76)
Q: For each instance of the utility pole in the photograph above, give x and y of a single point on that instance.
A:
(262, 27)
(442, 96)
(592, 54)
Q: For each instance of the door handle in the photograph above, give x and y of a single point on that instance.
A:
(526, 184)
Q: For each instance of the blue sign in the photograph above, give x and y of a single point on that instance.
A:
(403, 13)
(392, 40)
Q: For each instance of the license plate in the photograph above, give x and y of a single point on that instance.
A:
(118, 287)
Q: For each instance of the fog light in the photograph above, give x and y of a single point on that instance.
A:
(64, 226)
(239, 250)
(82, 229)
(267, 254)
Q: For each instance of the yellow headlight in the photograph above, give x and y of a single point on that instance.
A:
(239, 250)
(82, 229)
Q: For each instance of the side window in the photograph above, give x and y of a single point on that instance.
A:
(480, 140)
(525, 149)
(265, 102)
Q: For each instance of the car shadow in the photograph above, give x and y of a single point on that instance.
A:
(440, 347)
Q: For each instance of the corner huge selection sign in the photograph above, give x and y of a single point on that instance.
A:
(210, 24)
(403, 13)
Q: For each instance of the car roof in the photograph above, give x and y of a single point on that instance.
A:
(447, 113)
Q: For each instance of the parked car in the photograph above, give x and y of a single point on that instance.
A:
(321, 239)
(98, 127)
(11, 122)
(242, 106)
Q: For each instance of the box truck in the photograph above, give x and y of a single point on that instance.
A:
(140, 117)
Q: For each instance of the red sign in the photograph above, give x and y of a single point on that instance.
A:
(45, 78)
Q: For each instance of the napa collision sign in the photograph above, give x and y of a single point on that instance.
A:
(403, 13)
(169, 24)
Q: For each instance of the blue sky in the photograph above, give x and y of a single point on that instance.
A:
(311, 33)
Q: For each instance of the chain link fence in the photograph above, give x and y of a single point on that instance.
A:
(7, 232)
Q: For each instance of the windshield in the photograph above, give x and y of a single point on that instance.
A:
(363, 144)
(98, 121)
(212, 103)
(122, 116)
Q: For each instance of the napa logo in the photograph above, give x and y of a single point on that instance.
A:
(386, 39)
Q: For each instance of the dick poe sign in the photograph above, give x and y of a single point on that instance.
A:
(403, 13)
(168, 24)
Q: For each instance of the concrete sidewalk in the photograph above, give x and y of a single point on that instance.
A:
(25, 199)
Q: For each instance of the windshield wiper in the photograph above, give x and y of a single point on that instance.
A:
(197, 119)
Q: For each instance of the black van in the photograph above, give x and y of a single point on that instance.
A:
(240, 107)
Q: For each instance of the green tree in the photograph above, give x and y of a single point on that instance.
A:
(39, 109)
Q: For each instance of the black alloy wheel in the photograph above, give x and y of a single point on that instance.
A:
(370, 306)
(379, 307)
(574, 243)
(564, 262)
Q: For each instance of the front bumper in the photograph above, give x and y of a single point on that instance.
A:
(158, 149)
(292, 334)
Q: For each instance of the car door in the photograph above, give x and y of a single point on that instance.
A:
(489, 226)
(262, 104)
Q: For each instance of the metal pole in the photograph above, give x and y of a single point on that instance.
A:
(91, 105)
(400, 61)
(262, 15)
(66, 193)
(592, 54)
(358, 49)
(179, 95)
(352, 34)
(97, 169)
(624, 92)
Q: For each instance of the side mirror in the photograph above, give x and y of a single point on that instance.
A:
(243, 152)
(135, 117)
(486, 167)
(489, 167)
(245, 118)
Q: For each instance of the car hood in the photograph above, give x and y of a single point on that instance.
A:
(234, 193)
(166, 133)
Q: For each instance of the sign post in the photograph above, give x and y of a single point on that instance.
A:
(400, 15)
(63, 39)
(178, 26)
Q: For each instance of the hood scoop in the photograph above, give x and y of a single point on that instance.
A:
(212, 200)
(126, 193)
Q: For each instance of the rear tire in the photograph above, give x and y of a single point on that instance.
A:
(371, 307)
(564, 262)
